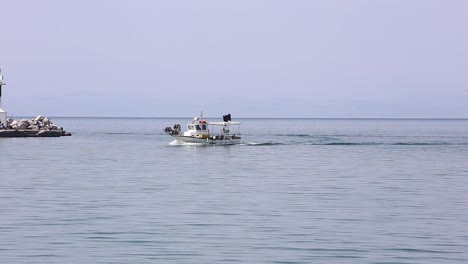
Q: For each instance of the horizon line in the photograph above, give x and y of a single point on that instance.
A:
(181, 117)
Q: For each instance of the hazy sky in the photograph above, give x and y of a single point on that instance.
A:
(251, 58)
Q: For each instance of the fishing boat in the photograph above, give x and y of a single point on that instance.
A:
(206, 132)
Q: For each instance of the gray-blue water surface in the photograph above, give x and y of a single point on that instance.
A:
(296, 191)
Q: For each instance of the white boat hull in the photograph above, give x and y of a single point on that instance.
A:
(208, 141)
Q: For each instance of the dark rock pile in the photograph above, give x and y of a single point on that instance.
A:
(39, 124)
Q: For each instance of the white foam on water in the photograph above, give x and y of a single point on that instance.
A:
(181, 143)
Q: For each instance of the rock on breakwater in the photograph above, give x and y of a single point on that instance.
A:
(39, 126)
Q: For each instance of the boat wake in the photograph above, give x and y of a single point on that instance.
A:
(263, 144)
(295, 135)
(287, 139)
(337, 143)
(354, 144)
(181, 143)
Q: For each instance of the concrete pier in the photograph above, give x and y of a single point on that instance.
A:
(32, 133)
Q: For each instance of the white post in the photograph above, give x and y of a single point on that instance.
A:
(1, 83)
(3, 114)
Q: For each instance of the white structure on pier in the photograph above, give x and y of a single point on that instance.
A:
(3, 114)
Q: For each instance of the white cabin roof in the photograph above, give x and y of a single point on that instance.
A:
(223, 123)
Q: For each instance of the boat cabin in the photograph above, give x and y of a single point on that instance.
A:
(198, 128)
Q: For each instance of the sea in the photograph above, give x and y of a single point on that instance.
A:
(295, 191)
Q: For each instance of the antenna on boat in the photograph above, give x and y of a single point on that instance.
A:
(201, 115)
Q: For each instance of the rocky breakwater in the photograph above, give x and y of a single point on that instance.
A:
(38, 127)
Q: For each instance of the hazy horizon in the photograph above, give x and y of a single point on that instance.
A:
(259, 59)
(243, 117)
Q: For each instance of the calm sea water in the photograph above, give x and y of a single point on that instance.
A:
(296, 191)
